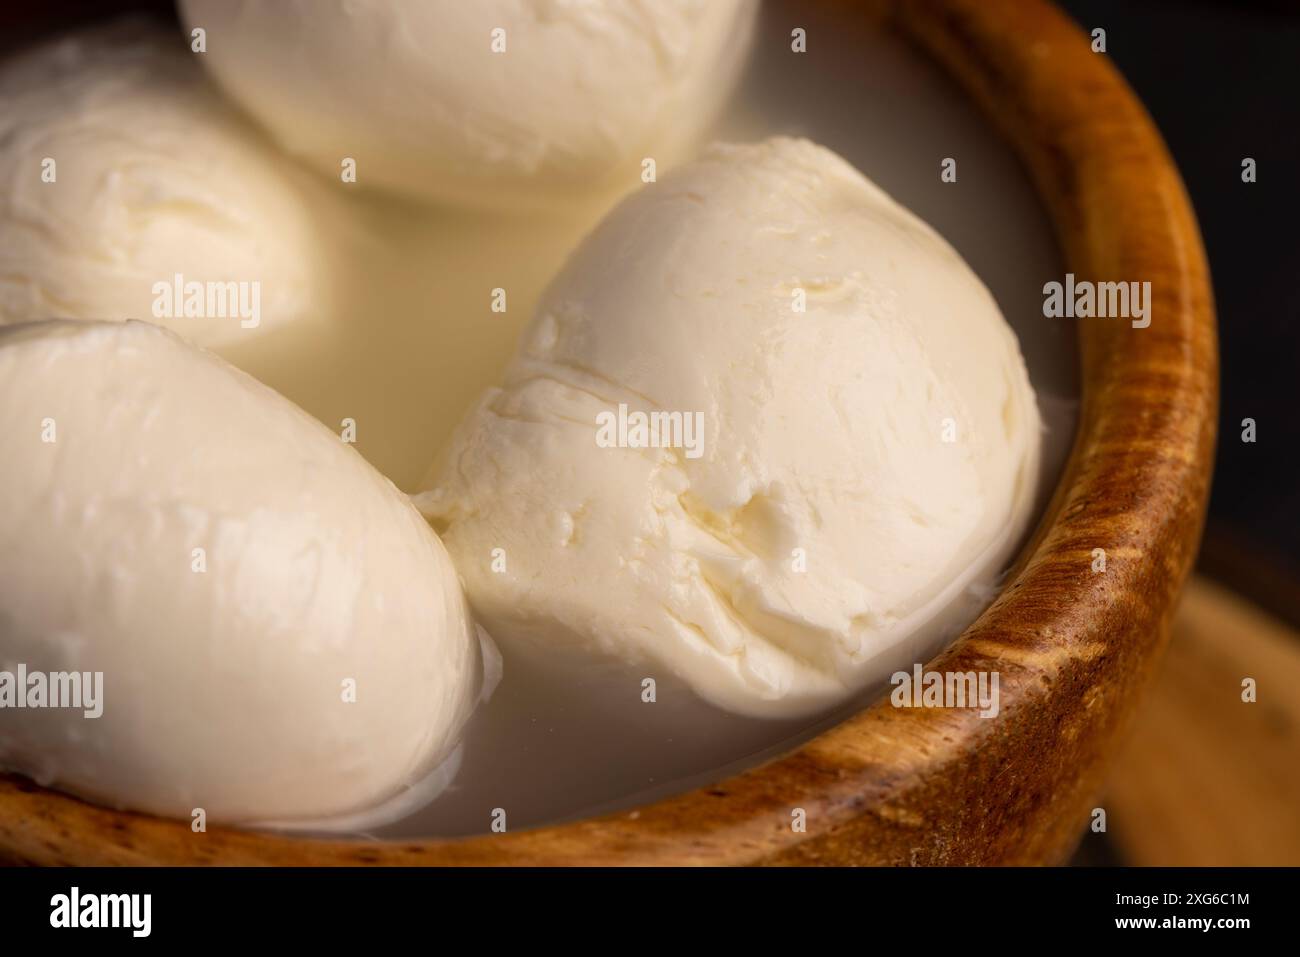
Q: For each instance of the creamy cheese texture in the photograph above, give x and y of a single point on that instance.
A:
(868, 450)
(122, 169)
(501, 102)
(282, 637)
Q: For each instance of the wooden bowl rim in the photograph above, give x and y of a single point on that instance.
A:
(879, 763)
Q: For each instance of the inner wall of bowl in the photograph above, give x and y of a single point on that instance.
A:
(563, 739)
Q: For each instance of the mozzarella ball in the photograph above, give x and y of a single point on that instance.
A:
(130, 190)
(763, 428)
(281, 636)
(496, 102)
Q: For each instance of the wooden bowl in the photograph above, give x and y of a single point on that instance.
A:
(1074, 648)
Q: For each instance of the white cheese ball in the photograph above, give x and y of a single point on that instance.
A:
(121, 169)
(869, 444)
(498, 102)
(281, 635)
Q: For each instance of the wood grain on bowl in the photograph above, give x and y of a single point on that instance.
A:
(1074, 648)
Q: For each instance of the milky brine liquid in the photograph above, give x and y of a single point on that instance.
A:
(418, 340)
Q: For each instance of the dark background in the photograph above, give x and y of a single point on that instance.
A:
(1222, 81)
